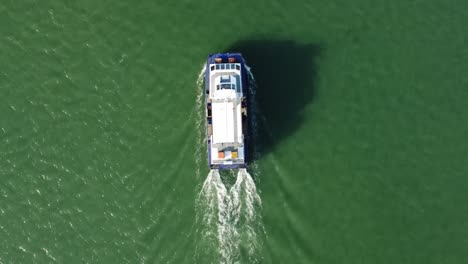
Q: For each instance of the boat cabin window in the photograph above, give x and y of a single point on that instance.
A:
(238, 83)
(225, 79)
(225, 66)
(226, 86)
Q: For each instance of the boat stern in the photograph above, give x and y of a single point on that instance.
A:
(228, 158)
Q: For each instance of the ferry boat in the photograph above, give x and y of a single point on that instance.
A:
(226, 100)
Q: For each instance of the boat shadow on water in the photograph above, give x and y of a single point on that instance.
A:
(286, 78)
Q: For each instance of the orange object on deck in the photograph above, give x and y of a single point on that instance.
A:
(231, 60)
(221, 155)
(234, 154)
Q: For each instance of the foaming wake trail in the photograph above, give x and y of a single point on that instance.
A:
(253, 122)
(215, 204)
(246, 212)
(231, 219)
(199, 125)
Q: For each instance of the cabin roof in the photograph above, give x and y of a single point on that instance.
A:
(227, 122)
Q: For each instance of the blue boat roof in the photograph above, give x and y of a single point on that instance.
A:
(225, 56)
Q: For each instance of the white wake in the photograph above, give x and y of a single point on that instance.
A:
(231, 216)
(199, 125)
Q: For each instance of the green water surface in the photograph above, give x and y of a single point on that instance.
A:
(363, 125)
